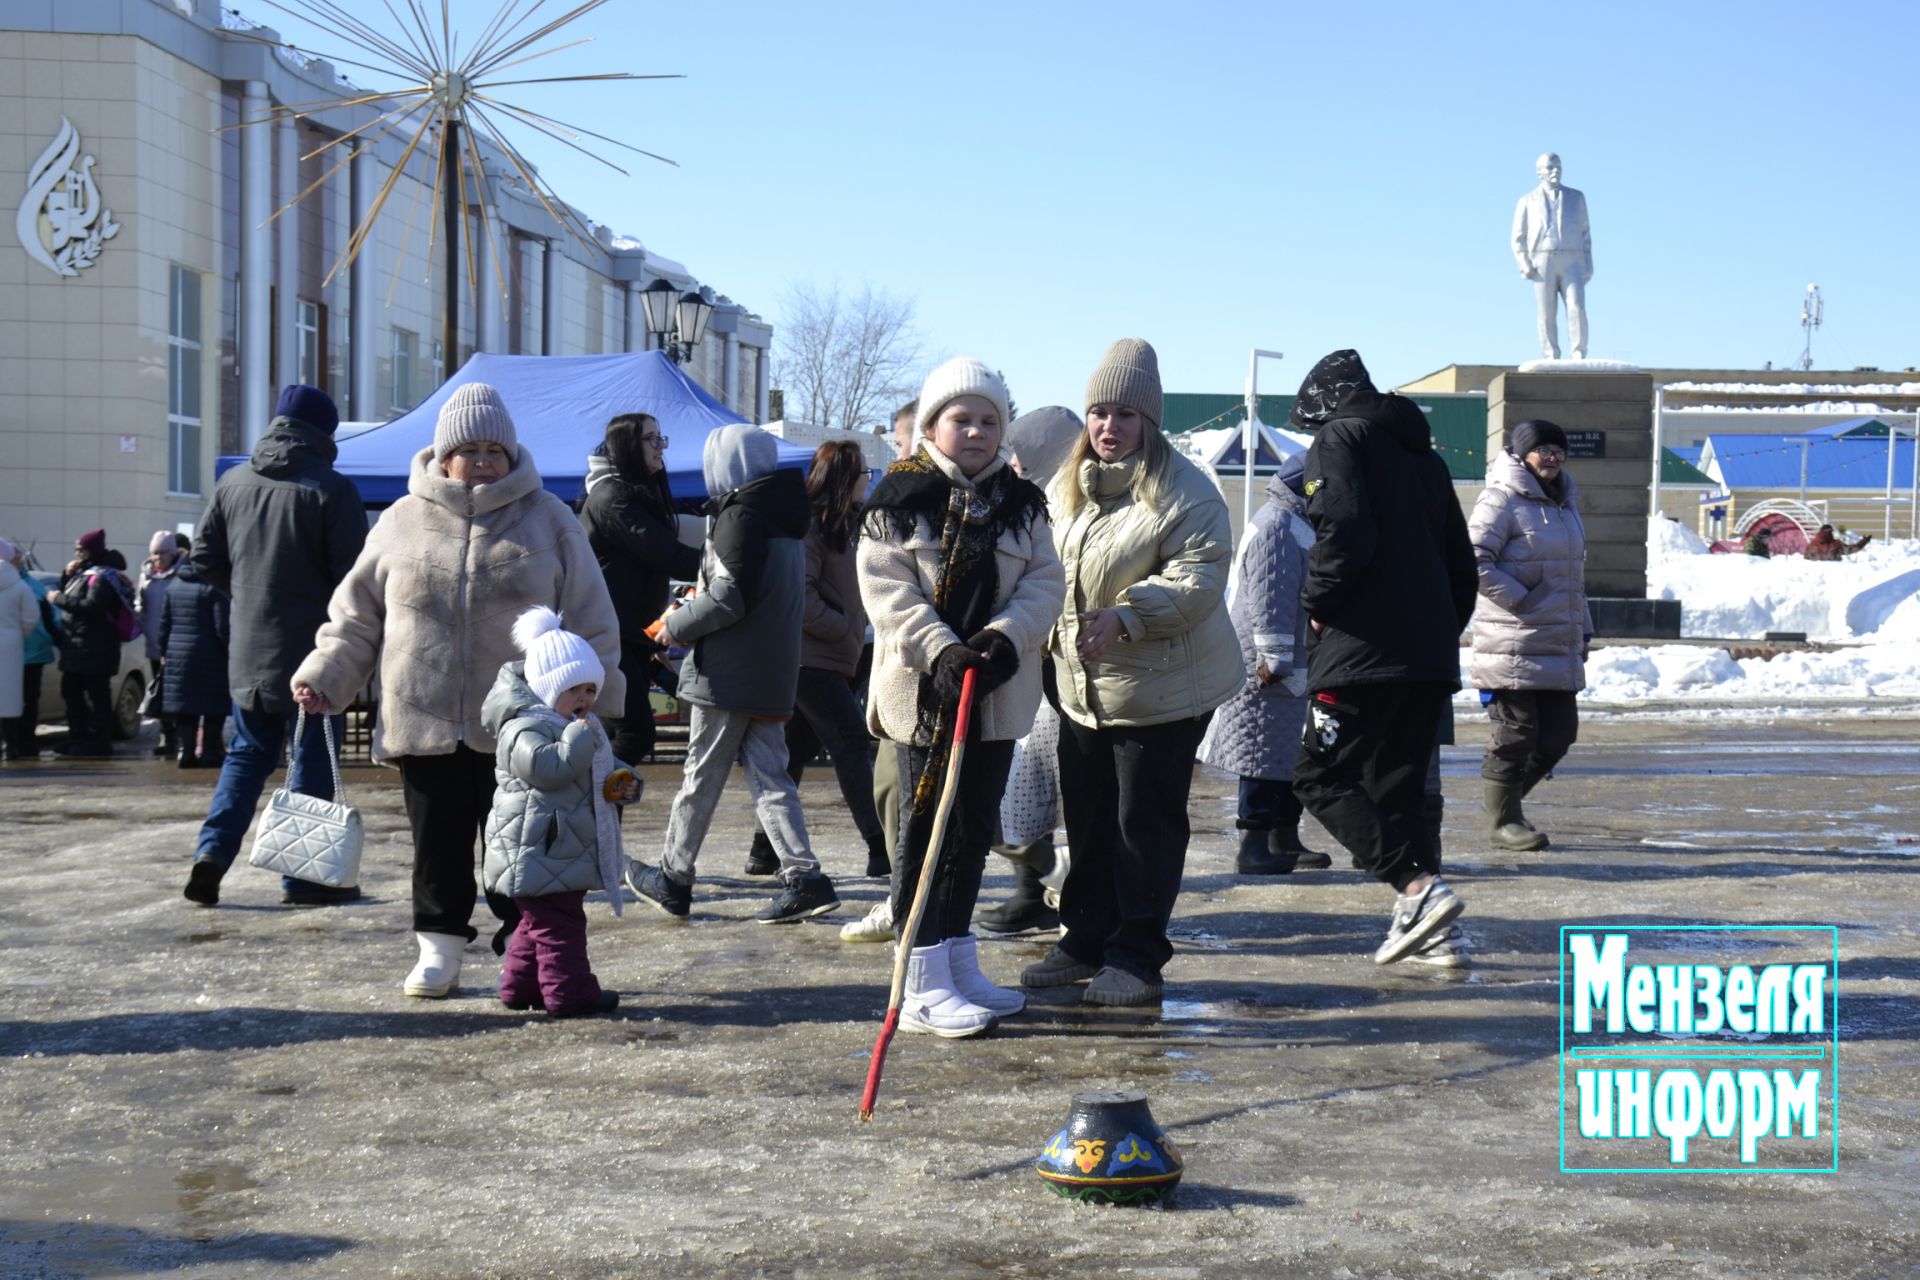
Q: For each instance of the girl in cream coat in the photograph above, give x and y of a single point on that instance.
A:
(958, 572)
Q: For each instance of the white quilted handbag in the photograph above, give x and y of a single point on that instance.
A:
(309, 838)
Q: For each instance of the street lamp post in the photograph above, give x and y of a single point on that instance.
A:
(678, 321)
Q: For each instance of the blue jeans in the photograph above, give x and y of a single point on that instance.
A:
(259, 741)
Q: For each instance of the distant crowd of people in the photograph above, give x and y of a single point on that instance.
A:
(1076, 572)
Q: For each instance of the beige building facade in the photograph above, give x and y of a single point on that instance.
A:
(151, 304)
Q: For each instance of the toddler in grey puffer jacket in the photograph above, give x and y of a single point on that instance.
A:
(554, 832)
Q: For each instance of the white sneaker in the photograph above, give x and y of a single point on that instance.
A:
(1447, 951)
(1417, 918)
(931, 1005)
(437, 975)
(963, 958)
(875, 926)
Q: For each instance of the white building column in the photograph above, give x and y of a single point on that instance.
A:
(730, 373)
(636, 319)
(256, 267)
(549, 299)
(762, 391)
(363, 362)
(490, 300)
(286, 252)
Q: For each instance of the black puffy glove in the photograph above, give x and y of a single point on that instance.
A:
(999, 660)
(950, 668)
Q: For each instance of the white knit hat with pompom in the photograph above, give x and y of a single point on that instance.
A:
(557, 659)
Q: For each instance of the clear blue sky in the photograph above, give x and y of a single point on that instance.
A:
(1046, 176)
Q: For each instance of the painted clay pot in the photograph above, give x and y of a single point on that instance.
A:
(1111, 1151)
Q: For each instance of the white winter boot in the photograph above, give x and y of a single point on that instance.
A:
(930, 1003)
(438, 973)
(963, 957)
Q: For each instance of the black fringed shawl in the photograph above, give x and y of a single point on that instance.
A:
(970, 522)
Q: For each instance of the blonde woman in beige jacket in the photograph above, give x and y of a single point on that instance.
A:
(431, 601)
(1144, 653)
(957, 570)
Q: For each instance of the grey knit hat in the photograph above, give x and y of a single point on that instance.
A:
(474, 412)
(1129, 374)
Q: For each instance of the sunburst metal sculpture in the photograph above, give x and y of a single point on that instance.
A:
(452, 99)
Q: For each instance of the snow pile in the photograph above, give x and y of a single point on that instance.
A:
(1868, 602)
(1865, 597)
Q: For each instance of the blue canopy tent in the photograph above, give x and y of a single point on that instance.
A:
(561, 406)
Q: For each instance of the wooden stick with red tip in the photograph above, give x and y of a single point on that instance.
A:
(949, 788)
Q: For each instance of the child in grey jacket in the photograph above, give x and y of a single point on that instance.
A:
(554, 832)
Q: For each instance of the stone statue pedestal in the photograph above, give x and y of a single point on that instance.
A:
(1607, 413)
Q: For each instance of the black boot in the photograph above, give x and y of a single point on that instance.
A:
(1026, 910)
(186, 757)
(879, 865)
(761, 859)
(1258, 858)
(1284, 839)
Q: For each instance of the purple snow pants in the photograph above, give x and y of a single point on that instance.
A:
(546, 959)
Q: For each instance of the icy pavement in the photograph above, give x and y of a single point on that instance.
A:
(244, 1091)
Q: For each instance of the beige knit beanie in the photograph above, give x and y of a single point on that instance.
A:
(960, 376)
(1129, 374)
(472, 413)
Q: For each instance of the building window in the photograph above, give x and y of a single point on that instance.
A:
(309, 328)
(439, 362)
(183, 381)
(406, 346)
(614, 325)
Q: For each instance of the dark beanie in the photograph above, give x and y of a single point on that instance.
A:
(1534, 432)
(93, 542)
(307, 404)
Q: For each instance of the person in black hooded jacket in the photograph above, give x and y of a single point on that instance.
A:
(1390, 586)
(278, 535)
(629, 519)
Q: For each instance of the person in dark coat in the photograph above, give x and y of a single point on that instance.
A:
(92, 594)
(194, 630)
(1390, 586)
(630, 524)
(277, 536)
(833, 631)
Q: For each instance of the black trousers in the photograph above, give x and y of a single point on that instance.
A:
(1532, 731)
(23, 730)
(634, 735)
(1125, 793)
(89, 700)
(963, 853)
(1362, 774)
(448, 798)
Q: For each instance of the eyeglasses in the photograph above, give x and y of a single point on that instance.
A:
(1549, 453)
(659, 440)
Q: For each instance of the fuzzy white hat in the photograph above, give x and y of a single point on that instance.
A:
(960, 376)
(557, 659)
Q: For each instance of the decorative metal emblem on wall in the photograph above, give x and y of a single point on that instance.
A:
(63, 222)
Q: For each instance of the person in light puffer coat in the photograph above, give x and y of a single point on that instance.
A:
(554, 831)
(432, 600)
(1531, 625)
(1256, 732)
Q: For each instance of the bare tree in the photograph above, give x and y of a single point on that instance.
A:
(846, 359)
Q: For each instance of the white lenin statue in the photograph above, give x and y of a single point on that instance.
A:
(1554, 247)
